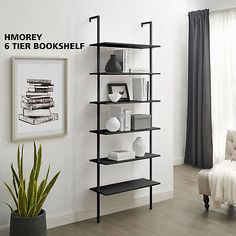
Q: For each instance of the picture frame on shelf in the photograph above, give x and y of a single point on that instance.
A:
(121, 88)
(39, 98)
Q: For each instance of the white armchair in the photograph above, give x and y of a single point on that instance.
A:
(203, 180)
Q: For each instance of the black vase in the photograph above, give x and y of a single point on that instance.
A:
(113, 65)
(28, 226)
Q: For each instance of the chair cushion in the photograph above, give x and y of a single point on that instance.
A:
(203, 182)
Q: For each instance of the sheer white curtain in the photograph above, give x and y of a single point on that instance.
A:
(223, 78)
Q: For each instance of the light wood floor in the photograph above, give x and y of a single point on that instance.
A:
(182, 216)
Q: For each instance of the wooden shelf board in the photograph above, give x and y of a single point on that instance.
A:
(106, 132)
(124, 73)
(106, 161)
(122, 102)
(124, 186)
(124, 45)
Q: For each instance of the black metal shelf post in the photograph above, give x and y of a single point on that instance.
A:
(98, 115)
(131, 184)
(150, 105)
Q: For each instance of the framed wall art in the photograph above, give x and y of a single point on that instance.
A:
(39, 98)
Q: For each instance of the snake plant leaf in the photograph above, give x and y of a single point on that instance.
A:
(35, 155)
(14, 174)
(11, 192)
(15, 187)
(12, 211)
(24, 184)
(39, 162)
(30, 189)
(22, 203)
(41, 188)
(47, 174)
(40, 204)
(51, 183)
(19, 163)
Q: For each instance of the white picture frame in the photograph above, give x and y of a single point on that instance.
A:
(39, 98)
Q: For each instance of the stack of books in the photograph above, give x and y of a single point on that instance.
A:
(123, 57)
(37, 102)
(140, 89)
(123, 115)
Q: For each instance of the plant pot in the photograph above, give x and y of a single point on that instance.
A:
(28, 226)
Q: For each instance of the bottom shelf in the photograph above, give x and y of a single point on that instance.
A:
(124, 186)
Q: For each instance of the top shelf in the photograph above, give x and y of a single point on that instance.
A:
(124, 45)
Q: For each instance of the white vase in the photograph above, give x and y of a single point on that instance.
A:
(139, 147)
(112, 124)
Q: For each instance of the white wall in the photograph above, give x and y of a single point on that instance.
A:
(218, 4)
(61, 20)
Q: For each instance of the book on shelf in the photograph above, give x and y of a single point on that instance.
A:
(121, 155)
(127, 121)
(37, 113)
(123, 57)
(36, 105)
(38, 120)
(138, 70)
(140, 89)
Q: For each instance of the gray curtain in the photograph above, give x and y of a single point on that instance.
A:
(199, 150)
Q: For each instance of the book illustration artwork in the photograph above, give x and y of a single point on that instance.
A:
(37, 103)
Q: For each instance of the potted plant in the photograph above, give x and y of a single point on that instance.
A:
(28, 218)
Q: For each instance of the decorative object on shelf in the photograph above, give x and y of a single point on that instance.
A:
(115, 97)
(140, 121)
(39, 94)
(112, 124)
(121, 88)
(27, 215)
(140, 89)
(139, 147)
(121, 155)
(113, 65)
(122, 56)
(118, 112)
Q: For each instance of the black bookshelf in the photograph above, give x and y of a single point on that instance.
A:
(126, 186)
(137, 183)
(122, 102)
(105, 161)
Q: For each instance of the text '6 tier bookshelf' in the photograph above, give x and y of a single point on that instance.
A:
(132, 184)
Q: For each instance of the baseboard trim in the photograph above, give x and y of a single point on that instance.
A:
(178, 161)
(72, 217)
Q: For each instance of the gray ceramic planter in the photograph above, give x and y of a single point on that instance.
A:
(28, 226)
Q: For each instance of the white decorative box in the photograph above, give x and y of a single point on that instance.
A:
(121, 155)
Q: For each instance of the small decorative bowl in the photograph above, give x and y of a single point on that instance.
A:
(115, 97)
